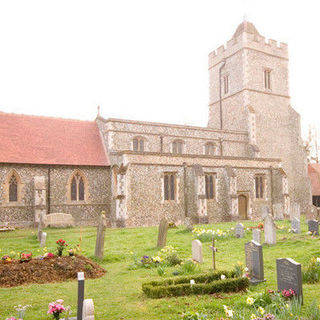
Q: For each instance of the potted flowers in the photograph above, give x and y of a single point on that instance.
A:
(61, 245)
(56, 308)
(25, 256)
(6, 259)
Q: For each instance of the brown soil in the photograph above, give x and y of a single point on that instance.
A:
(56, 269)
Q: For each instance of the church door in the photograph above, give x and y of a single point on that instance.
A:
(243, 207)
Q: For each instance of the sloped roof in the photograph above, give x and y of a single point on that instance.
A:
(314, 175)
(247, 27)
(44, 140)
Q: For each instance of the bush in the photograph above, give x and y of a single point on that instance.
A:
(188, 267)
(311, 274)
(203, 284)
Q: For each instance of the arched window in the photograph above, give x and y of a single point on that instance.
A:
(77, 188)
(209, 149)
(13, 188)
(177, 147)
(138, 144)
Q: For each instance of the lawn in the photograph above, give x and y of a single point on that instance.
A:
(118, 294)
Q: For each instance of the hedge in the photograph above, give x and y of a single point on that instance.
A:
(204, 284)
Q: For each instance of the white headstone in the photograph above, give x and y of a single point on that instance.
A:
(43, 239)
(88, 310)
(256, 235)
(295, 211)
(295, 225)
(197, 251)
(269, 230)
(239, 230)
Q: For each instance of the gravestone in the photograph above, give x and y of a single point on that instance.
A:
(101, 229)
(256, 235)
(197, 251)
(313, 227)
(162, 234)
(41, 224)
(264, 212)
(43, 239)
(188, 223)
(239, 230)
(289, 276)
(295, 225)
(80, 295)
(88, 310)
(269, 230)
(294, 210)
(214, 250)
(254, 261)
(278, 211)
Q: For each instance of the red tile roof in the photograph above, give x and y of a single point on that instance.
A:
(314, 175)
(45, 140)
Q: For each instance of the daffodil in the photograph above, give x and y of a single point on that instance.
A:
(261, 310)
(250, 301)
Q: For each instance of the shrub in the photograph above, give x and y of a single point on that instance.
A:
(203, 284)
(311, 274)
(188, 267)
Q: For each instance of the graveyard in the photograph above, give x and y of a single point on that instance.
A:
(118, 292)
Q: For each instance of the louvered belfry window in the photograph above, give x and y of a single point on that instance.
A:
(13, 189)
(77, 188)
(259, 186)
(138, 144)
(209, 178)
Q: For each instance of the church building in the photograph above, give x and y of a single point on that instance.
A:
(250, 155)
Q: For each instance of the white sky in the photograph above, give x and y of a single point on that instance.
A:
(141, 59)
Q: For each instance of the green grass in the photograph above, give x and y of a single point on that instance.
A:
(118, 295)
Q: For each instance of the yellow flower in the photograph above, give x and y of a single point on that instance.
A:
(250, 301)
(261, 310)
(253, 316)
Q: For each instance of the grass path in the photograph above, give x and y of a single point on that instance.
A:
(118, 294)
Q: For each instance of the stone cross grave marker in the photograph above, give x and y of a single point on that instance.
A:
(239, 230)
(41, 224)
(162, 233)
(197, 251)
(289, 276)
(256, 235)
(214, 250)
(254, 261)
(269, 230)
(295, 225)
(101, 229)
(43, 239)
(313, 227)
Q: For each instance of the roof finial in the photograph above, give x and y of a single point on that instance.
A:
(98, 115)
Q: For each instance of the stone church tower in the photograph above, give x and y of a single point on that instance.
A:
(249, 92)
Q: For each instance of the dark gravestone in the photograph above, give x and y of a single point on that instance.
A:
(289, 276)
(313, 227)
(254, 261)
(80, 295)
(162, 235)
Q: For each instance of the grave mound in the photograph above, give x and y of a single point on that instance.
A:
(56, 269)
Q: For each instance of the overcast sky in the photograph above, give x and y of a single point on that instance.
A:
(141, 59)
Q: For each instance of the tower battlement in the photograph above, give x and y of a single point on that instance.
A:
(247, 37)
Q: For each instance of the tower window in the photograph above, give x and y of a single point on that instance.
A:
(267, 79)
(209, 149)
(177, 147)
(210, 185)
(226, 84)
(169, 182)
(259, 186)
(138, 144)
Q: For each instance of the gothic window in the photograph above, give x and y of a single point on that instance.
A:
(210, 185)
(13, 189)
(259, 186)
(138, 144)
(77, 188)
(169, 182)
(177, 147)
(267, 79)
(209, 149)
(226, 84)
